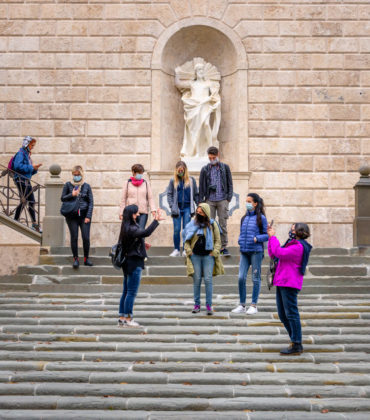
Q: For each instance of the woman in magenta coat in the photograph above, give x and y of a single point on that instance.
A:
(293, 258)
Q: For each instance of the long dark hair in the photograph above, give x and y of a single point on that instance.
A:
(259, 209)
(127, 222)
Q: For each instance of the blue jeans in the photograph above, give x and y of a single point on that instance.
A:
(185, 216)
(131, 283)
(203, 265)
(142, 219)
(248, 259)
(287, 307)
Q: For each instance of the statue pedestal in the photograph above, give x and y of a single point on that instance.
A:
(195, 164)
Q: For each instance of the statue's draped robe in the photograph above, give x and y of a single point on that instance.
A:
(199, 134)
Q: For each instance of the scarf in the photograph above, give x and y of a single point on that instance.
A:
(193, 228)
(136, 182)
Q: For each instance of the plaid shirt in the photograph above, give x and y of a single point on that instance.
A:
(219, 194)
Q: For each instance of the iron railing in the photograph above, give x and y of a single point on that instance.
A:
(20, 198)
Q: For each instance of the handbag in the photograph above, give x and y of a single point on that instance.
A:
(118, 256)
(271, 272)
(70, 208)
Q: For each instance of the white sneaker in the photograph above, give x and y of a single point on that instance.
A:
(133, 324)
(239, 310)
(175, 253)
(252, 310)
(184, 253)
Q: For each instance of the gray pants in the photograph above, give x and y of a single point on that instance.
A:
(222, 208)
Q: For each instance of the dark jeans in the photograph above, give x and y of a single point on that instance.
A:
(131, 283)
(73, 225)
(287, 307)
(25, 191)
(141, 220)
(185, 217)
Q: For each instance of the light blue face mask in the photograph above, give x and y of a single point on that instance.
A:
(139, 177)
(77, 178)
(249, 206)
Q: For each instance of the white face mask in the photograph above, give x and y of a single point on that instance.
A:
(249, 206)
(214, 161)
(139, 177)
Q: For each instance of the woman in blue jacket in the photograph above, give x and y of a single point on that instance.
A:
(24, 170)
(253, 233)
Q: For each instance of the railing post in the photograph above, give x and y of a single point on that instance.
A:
(361, 223)
(54, 231)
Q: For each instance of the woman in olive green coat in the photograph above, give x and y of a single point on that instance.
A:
(202, 246)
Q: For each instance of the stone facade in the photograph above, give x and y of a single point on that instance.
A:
(93, 81)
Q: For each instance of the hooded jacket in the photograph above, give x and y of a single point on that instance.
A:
(292, 258)
(190, 243)
(23, 165)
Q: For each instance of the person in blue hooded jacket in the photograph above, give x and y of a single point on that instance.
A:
(253, 234)
(24, 170)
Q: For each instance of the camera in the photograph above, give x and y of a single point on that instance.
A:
(213, 188)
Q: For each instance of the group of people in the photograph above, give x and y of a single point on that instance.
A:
(197, 236)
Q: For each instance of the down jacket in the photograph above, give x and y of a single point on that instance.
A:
(250, 230)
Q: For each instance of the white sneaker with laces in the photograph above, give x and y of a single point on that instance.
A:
(175, 253)
(184, 253)
(252, 310)
(132, 323)
(239, 310)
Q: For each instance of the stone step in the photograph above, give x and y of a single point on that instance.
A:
(246, 414)
(325, 270)
(70, 366)
(157, 260)
(170, 288)
(164, 251)
(223, 404)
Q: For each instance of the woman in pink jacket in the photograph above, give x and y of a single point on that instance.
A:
(136, 190)
(293, 258)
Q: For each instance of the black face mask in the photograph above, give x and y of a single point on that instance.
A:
(292, 235)
(200, 218)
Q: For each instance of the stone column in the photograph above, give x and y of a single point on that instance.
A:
(361, 223)
(54, 231)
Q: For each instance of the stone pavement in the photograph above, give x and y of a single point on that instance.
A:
(63, 356)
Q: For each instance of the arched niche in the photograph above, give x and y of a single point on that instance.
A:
(219, 45)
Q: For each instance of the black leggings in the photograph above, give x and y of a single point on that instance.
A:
(26, 197)
(73, 225)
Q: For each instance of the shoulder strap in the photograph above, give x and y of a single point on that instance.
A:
(147, 196)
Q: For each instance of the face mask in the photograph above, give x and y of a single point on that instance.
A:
(214, 162)
(77, 178)
(292, 235)
(180, 174)
(200, 218)
(138, 177)
(249, 206)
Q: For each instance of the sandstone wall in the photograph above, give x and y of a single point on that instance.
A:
(77, 75)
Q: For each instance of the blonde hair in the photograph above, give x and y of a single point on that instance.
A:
(78, 168)
(186, 178)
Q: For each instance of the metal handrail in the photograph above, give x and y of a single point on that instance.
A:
(15, 196)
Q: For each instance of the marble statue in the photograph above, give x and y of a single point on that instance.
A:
(199, 84)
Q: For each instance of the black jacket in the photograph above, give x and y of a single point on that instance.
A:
(86, 197)
(205, 180)
(134, 243)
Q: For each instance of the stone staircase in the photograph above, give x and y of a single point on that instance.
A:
(62, 355)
